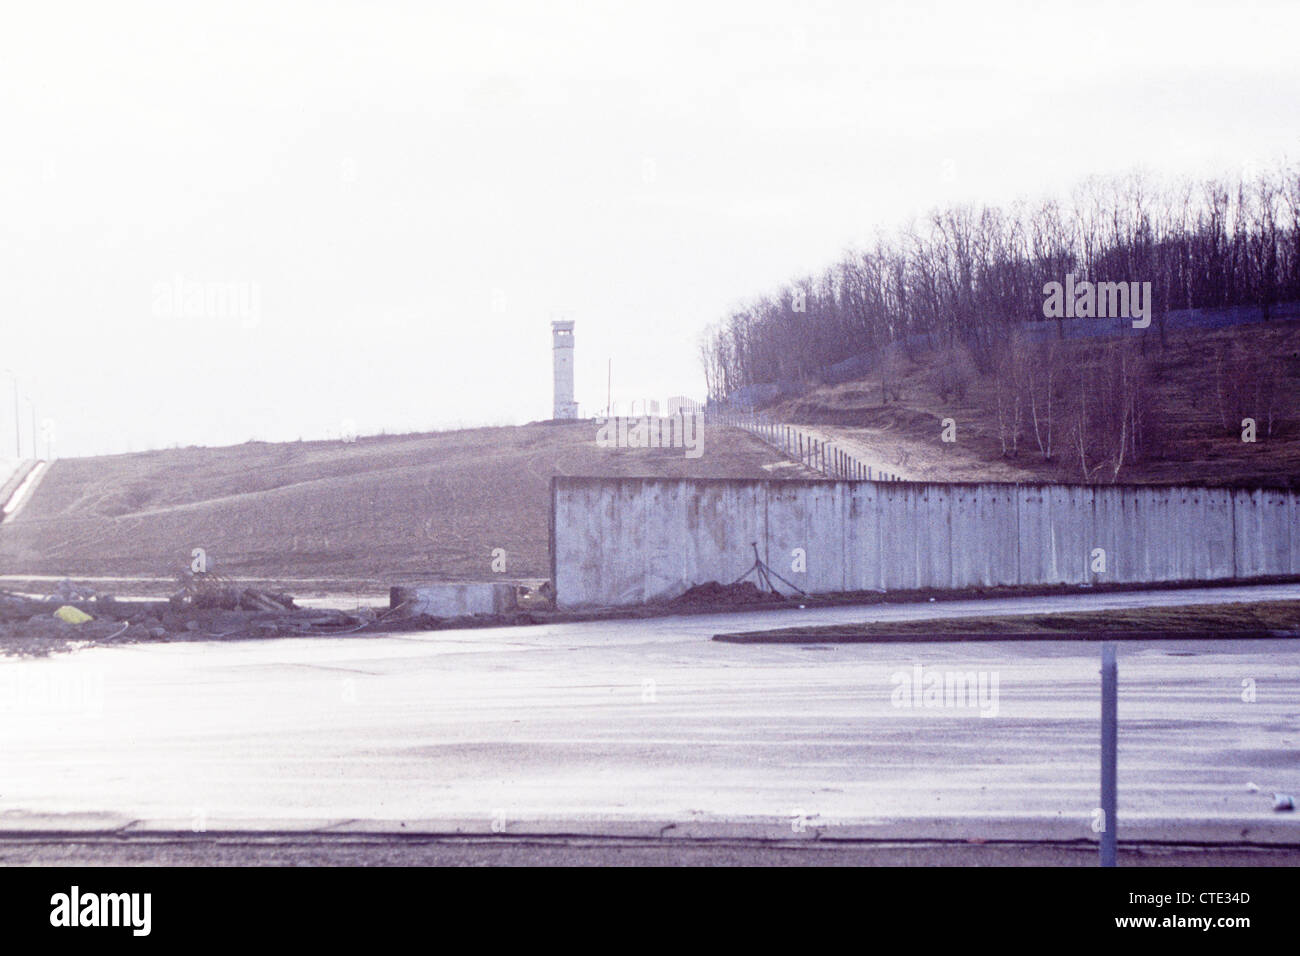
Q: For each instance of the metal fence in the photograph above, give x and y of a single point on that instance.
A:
(819, 455)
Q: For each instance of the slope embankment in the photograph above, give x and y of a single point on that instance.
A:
(376, 509)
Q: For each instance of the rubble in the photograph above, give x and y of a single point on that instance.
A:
(711, 592)
(214, 591)
(206, 607)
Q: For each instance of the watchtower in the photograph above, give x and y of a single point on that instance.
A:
(562, 360)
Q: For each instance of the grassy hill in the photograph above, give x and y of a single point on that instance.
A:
(386, 509)
(1192, 433)
(380, 509)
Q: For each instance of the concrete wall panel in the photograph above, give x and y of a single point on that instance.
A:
(1293, 531)
(864, 564)
(623, 541)
(1263, 531)
(808, 516)
(985, 534)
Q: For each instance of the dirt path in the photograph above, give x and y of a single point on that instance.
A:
(912, 460)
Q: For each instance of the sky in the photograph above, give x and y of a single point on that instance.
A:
(281, 220)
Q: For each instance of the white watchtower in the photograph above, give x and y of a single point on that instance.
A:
(562, 358)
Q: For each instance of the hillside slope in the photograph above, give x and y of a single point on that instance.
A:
(1190, 433)
(379, 509)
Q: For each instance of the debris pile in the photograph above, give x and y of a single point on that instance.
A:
(205, 607)
(711, 592)
(214, 591)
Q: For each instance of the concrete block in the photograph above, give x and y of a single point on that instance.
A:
(455, 598)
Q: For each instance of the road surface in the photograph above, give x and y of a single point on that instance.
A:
(647, 729)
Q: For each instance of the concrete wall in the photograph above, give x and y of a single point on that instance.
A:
(454, 598)
(618, 541)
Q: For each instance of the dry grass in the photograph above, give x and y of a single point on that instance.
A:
(1225, 619)
(1189, 443)
(382, 509)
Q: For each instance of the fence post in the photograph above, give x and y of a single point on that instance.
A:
(1109, 745)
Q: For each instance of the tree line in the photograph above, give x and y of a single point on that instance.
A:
(968, 278)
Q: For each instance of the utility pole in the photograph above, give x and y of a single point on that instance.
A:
(609, 390)
(18, 448)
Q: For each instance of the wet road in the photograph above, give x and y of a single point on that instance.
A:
(642, 728)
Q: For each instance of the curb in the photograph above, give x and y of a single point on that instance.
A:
(1265, 831)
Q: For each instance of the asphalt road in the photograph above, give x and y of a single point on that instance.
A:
(647, 729)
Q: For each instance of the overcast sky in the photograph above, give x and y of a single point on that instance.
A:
(404, 194)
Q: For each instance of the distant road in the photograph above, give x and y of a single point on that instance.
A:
(18, 479)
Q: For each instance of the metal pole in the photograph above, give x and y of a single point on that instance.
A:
(1109, 746)
(18, 429)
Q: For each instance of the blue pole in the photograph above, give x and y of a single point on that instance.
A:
(1109, 746)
